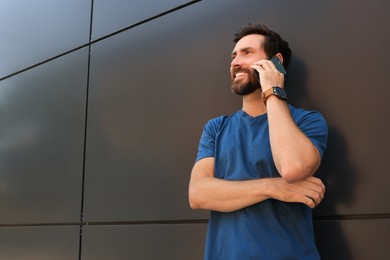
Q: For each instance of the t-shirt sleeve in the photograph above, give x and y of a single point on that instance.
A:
(207, 141)
(314, 126)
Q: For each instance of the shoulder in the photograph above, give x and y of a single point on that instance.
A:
(302, 115)
(313, 125)
(215, 124)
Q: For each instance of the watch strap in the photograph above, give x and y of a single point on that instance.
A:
(277, 91)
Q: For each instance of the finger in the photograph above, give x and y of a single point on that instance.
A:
(304, 199)
(257, 67)
(315, 197)
(309, 202)
(317, 182)
(266, 64)
(318, 189)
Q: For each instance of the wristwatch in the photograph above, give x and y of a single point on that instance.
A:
(277, 91)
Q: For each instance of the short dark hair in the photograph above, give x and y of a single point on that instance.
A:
(273, 42)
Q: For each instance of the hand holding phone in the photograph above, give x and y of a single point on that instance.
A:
(278, 65)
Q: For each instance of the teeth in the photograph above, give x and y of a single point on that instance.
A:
(240, 74)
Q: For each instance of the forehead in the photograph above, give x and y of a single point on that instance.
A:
(254, 41)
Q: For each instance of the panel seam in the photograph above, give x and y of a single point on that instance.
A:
(85, 132)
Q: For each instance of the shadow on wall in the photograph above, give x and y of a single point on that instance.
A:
(336, 172)
(339, 178)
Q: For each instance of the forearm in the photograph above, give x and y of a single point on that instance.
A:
(295, 156)
(225, 196)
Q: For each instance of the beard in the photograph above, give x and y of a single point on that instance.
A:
(244, 86)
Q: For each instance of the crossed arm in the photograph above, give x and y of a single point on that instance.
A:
(207, 192)
(295, 157)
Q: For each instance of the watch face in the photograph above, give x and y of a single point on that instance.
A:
(280, 92)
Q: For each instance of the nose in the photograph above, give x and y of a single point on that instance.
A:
(236, 61)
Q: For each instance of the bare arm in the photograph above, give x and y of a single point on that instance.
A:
(208, 192)
(295, 156)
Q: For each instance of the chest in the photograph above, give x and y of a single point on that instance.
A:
(243, 151)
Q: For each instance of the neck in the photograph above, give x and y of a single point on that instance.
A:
(253, 104)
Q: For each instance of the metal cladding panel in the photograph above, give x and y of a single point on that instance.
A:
(168, 241)
(41, 149)
(109, 16)
(343, 75)
(34, 31)
(353, 239)
(150, 95)
(39, 243)
(154, 86)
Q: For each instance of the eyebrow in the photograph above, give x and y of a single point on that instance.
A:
(242, 50)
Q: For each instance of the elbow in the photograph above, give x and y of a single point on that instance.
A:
(291, 177)
(297, 173)
(193, 198)
(193, 204)
(198, 199)
(299, 170)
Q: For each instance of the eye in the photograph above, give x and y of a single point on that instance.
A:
(247, 52)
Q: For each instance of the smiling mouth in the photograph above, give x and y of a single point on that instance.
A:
(240, 74)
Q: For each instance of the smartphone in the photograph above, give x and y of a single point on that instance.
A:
(278, 65)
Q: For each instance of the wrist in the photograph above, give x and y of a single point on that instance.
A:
(264, 188)
(274, 91)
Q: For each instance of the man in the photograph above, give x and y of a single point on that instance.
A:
(254, 169)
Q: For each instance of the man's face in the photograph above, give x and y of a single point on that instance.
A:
(247, 51)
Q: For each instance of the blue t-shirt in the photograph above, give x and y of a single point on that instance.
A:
(270, 229)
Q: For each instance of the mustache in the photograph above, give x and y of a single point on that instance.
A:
(241, 69)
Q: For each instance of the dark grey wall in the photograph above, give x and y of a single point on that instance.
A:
(102, 104)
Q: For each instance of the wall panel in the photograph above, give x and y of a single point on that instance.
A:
(168, 241)
(42, 115)
(109, 16)
(34, 31)
(39, 243)
(357, 239)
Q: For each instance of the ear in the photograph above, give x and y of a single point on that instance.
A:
(280, 56)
